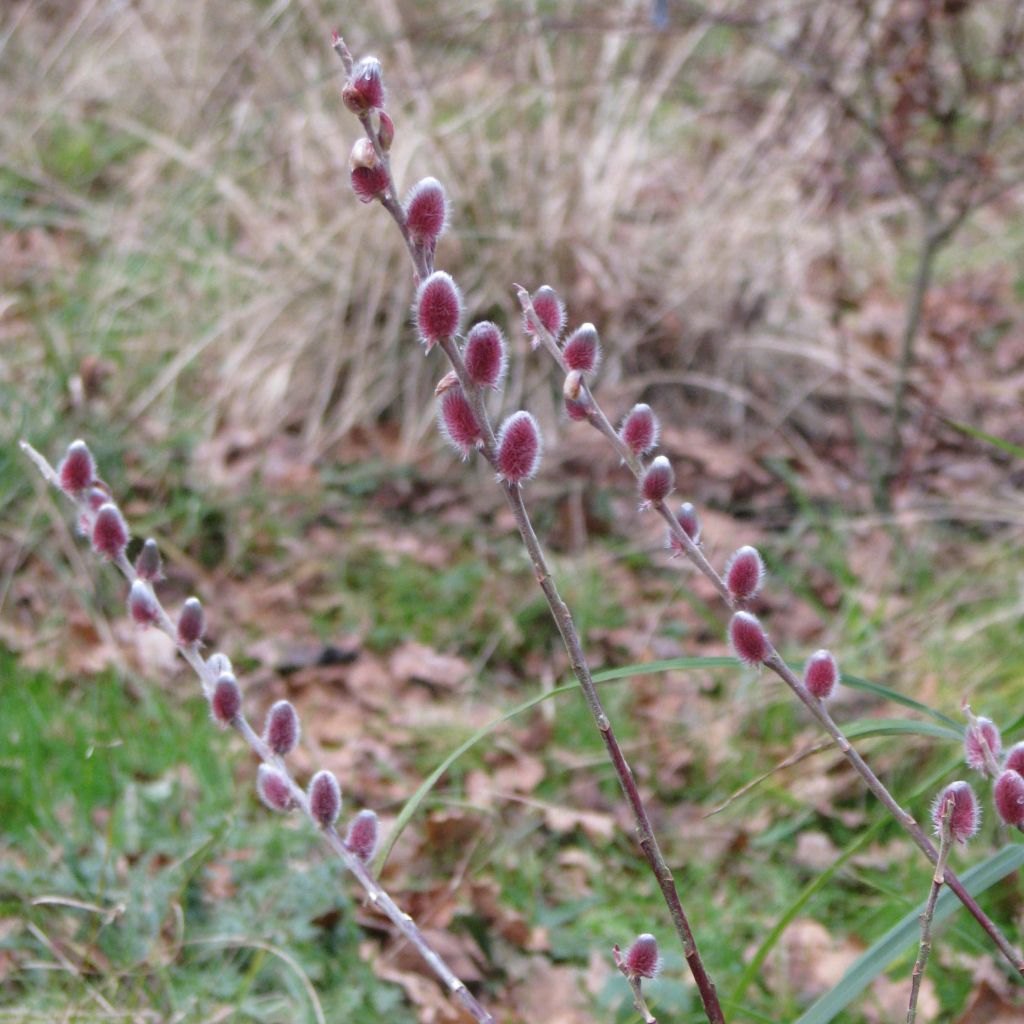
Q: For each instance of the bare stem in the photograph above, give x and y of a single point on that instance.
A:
(599, 421)
(945, 841)
(375, 893)
(423, 263)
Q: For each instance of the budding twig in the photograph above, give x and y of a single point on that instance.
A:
(771, 658)
(349, 856)
(423, 263)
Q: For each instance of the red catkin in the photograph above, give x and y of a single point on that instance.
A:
(109, 532)
(364, 90)
(149, 565)
(77, 469)
(273, 789)
(519, 448)
(458, 422)
(642, 959)
(657, 482)
(744, 573)
(689, 523)
(583, 350)
(550, 312)
(426, 211)
(362, 835)
(485, 355)
(982, 739)
(225, 701)
(191, 622)
(438, 308)
(1008, 794)
(748, 639)
(324, 798)
(142, 606)
(821, 673)
(1015, 759)
(281, 731)
(965, 816)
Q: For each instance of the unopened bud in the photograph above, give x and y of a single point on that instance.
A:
(219, 664)
(689, 524)
(519, 448)
(821, 673)
(458, 422)
(361, 837)
(426, 211)
(77, 469)
(109, 532)
(657, 482)
(365, 88)
(982, 744)
(142, 606)
(191, 622)
(273, 789)
(363, 154)
(438, 308)
(576, 410)
(572, 386)
(642, 959)
(639, 431)
(1008, 794)
(1015, 759)
(959, 802)
(385, 131)
(485, 355)
(324, 799)
(744, 573)
(550, 312)
(225, 701)
(748, 639)
(149, 565)
(583, 349)
(281, 732)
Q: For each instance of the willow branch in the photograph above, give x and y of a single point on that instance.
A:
(376, 894)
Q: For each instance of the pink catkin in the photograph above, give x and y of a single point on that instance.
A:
(438, 308)
(550, 311)
(744, 573)
(281, 731)
(640, 429)
(225, 701)
(519, 448)
(821, 673)
(657, 482)
(426, 211)
(362, 835)
(748, 639)
(273, 789)
(688, 521)
(142, 606)
(191, 622)
(1008, 794)
(364, 90)
(324, 798)
(583, 350)
(965, 817)
(642, 959)
(458, 422)
(77, 469)
(485, 355)
(369, 182)
(1015, 759)
(980, 736)
(109, 532)
(386, 131)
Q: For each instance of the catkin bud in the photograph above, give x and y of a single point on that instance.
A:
(657, 482)
(324, 798)
(458, 422)
(77, 469)
(385, 131)
(426, 212)
(576, 410)
(438, 308)
(225, 701)
(219, 664)
(982, 744)
(362, 834)
(273, 789)
(583, 350)
(1008, 794)
(550, 312)
(149, 565)
(1015, 759)
(519, 448)
(689, 524)
(640, 429)
(368, 182)
(281, 731)
(821, 673)
(142, 606)
(364, 90)
(642, 959)
(109, 532)
(748, 639)
(744, 573)
(485, 356)
(191, 622)
(959, 801)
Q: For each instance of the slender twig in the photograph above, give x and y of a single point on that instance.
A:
(376, 894)
(945, 841)
(597, 419)
(423, 262)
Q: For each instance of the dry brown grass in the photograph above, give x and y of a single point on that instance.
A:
(179, 172)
